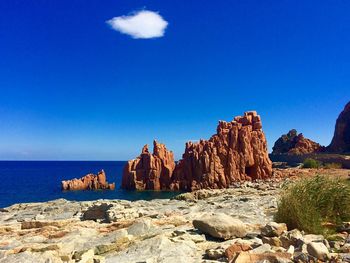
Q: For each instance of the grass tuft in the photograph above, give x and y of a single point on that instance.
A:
(311, 163)
(313, 204)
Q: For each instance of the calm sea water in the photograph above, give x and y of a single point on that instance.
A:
(37, 181)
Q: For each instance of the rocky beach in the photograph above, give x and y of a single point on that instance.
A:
(221, 225)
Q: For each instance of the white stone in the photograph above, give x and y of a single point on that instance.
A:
(318, 250)
(221, 226)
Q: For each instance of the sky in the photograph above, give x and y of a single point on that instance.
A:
(96, 80)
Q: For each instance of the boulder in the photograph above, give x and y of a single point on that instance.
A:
(215, 254)
(294, 143)
(341, 139)
(318, 250)
(273, 241)
(88, 182)
(264, 248)
(97, 213)
(273, 229)
(232, 250)
(220, 225)
(291, 238)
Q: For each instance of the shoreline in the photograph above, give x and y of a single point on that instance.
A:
(158, 230)
(59, 229)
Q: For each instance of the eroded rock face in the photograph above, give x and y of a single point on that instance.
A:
(237, 152)
(88, 182)
(149, 171)
(294, 143)
(341, 139)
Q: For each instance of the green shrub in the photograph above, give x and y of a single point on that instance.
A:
(311, 163)
(333, 165)
(307, 204)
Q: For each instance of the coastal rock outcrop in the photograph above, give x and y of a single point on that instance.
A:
(237, 152)
(88, 182)
(149, 171)
(341, 139)
(294, 143)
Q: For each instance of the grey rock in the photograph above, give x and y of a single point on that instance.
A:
(313, 238)
(215, 253)
(345, 257)
(97, 213)
(262, 249)
(140, 227)
(318, 250)
(273, 229)
(301, 257)
(273, 241)
(293, 237)
(157, 249)
(220, 226)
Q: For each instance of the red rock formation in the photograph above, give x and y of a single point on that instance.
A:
(88, 182)
(237, 152)
(149, 171)
(294, 143)
(341, 139)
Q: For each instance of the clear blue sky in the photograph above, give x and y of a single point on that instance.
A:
(74, 89)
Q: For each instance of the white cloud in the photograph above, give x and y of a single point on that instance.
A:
(141, 24)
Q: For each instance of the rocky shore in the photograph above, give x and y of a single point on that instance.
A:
(223, 225)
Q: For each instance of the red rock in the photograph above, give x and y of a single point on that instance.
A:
(231, 251)
(341, 139)
(88, 182)
(149, 171)
(237, 152)
(294, 143)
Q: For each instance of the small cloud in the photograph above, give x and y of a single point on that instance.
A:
(142, 24)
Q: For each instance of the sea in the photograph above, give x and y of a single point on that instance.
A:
(40, 181)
